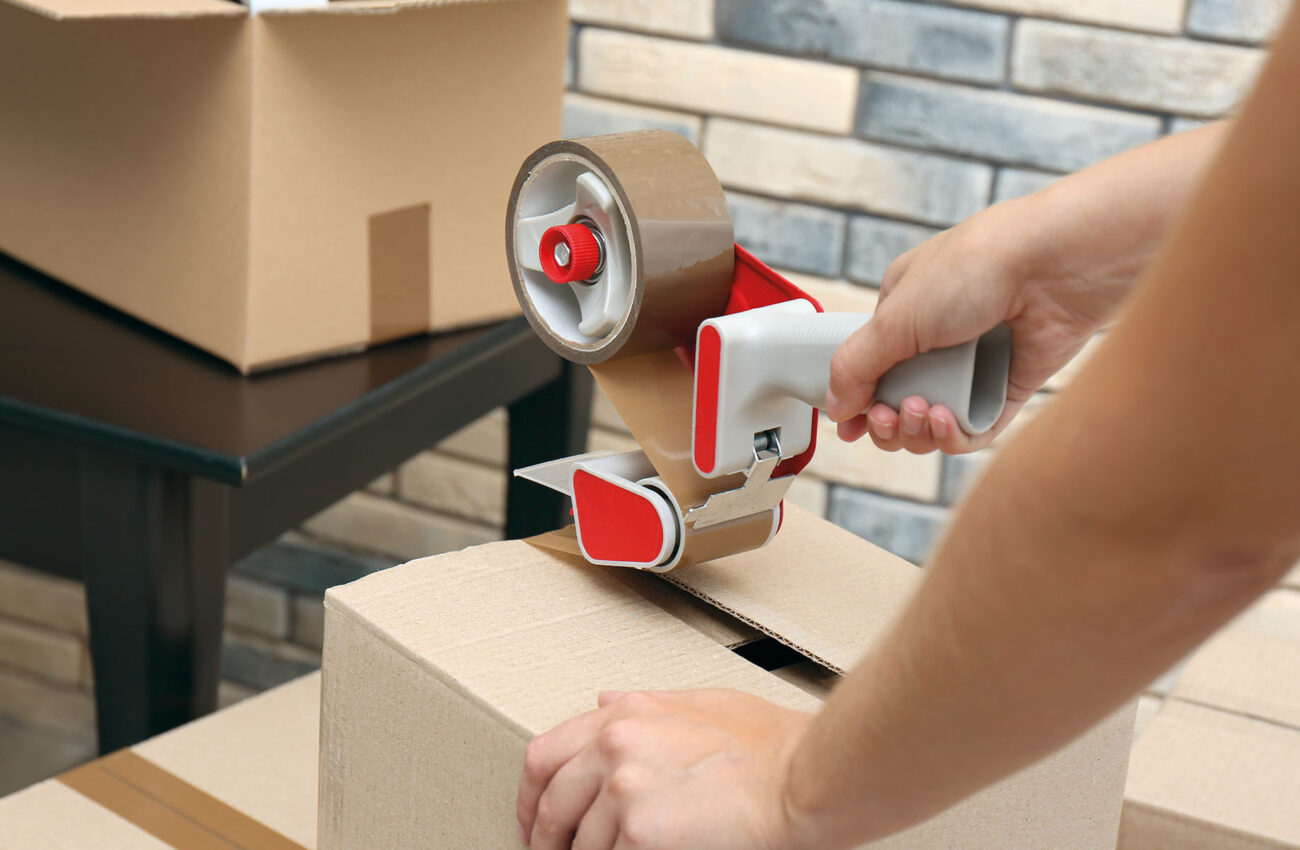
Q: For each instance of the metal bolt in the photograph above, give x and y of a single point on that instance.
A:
(562, 254)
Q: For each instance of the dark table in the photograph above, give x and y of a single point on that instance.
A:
(144, 467)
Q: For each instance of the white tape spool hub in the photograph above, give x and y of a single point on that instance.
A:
(618, 244)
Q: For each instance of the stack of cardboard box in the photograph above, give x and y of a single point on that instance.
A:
(1219, 765)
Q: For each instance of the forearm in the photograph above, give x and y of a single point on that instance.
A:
(1096, 229)
(1154, 500)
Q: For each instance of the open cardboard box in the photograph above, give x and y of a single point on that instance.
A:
(241, 779)
(438, 672)
(280, 185)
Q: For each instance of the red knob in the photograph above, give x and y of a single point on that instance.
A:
(569, 253)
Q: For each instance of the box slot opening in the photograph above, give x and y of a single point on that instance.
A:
(769, 654)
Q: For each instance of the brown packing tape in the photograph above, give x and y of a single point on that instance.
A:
(653, 393)
(399, 258)
(169, 808)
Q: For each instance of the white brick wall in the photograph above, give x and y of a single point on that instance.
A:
(685, 18)
(1142, 71)
(846, 172)
(719, 80)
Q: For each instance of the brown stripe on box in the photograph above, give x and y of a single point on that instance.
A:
(399, 272)
(169, 808)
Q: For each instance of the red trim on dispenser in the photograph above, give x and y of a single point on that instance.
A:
(754, 284)
(708, 367)
(616, 523)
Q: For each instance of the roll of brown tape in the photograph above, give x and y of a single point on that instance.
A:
(668, 252)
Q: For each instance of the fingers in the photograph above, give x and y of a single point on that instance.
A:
(599, 828)
(851, 430)
(545, 755)
(920, 429)
(565, 801)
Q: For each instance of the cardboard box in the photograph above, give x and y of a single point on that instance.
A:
(241, 779)
(438, 672)
(1219, 766)
(275, 186)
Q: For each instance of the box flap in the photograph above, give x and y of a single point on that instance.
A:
(1202, 778)
(534, 635)
(811, 588)
(102, 9)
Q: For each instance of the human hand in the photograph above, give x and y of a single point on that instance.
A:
(704, 770)
(952, 288)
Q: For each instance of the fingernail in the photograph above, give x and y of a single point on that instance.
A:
(523, 836)
(881, 428)
(939, 427)
(833, 406)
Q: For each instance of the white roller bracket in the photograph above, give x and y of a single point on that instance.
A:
(624, 514)
(774, 366)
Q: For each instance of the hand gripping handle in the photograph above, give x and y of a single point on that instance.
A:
(970, 379)
(760, 370)
(796, 347)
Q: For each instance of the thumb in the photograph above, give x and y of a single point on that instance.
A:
(860, 362)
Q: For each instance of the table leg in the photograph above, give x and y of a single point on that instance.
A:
(549, 423)
(154, 558)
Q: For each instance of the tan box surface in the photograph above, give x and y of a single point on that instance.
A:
(243, 778)
(275, 186)
(438, 672)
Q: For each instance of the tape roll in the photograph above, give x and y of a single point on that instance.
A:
(664, 225)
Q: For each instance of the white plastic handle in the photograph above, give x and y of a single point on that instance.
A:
(774, 363)
(970, 379)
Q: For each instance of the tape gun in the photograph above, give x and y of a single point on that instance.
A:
(622, 256)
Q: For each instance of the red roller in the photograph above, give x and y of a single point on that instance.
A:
(583, 250)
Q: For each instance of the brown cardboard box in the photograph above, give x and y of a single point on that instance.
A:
(1219, 766)
(241, 779)
(275, 186)
(438, 672)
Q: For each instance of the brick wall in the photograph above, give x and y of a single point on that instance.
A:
(845, 132)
